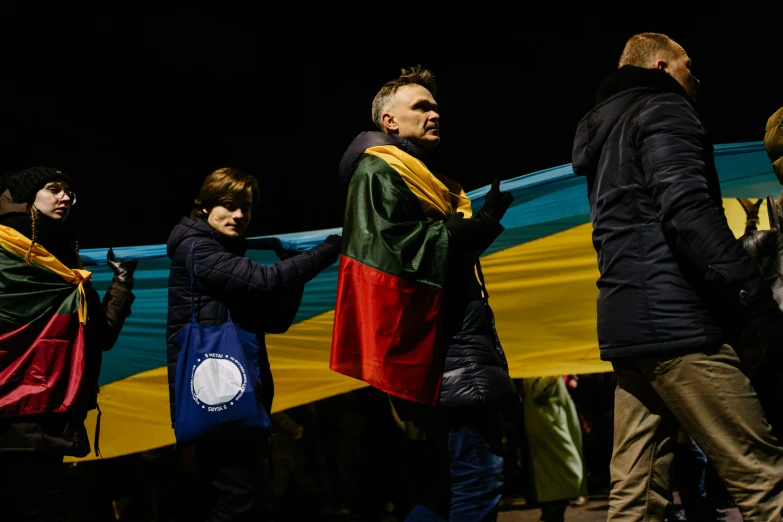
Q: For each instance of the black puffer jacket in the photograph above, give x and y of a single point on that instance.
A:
(262, 299)
(673, 277)
(475, 371)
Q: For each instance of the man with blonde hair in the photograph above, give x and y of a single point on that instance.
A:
(675, 287)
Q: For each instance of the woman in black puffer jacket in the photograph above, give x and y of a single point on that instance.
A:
(261, 299)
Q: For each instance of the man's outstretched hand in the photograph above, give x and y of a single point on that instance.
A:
(496, 202)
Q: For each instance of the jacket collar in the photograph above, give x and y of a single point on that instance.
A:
(236, 245)
(632, 77)
(368, 139)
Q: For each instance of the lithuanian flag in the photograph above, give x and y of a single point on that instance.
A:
(42, 316)
(390, 288)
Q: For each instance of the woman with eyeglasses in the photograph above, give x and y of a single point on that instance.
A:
(53, 330)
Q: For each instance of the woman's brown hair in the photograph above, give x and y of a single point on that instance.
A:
(222, 187)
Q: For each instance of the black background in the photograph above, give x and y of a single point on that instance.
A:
(139, 110)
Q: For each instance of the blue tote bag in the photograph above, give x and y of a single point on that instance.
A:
(217, 377)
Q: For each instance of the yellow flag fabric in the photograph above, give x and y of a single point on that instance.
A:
(437, 196)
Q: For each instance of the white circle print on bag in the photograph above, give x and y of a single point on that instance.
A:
(217, 381)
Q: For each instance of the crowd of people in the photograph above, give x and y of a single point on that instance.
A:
(687, 316)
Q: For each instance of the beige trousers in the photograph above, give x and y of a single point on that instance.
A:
(712, 399)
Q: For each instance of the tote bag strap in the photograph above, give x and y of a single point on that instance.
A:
(192, 271)
(192, 279)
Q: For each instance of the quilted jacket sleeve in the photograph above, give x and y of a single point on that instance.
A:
(231, 278)
(672, 141)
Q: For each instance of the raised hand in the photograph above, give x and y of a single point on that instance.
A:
(496, 202)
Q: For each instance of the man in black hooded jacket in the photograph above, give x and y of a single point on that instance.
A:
(674, 286)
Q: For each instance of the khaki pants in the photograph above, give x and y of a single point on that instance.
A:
(709, 396)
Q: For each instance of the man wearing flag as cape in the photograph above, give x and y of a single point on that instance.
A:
(412, 316)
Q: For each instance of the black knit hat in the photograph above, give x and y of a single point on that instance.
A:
(25, 184)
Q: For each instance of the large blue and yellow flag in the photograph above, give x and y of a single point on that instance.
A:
(540, 274)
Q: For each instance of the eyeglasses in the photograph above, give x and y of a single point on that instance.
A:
(59, 191)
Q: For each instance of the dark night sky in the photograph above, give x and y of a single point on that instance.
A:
(140, 110)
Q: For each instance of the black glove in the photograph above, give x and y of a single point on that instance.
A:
(468, 234)
(284, 253)
(331, 248)
(123, 270)
(335, 240)
(495, 202)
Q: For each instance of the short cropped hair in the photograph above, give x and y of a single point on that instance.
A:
(415, 75)
(222, 188)
(643, 49)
